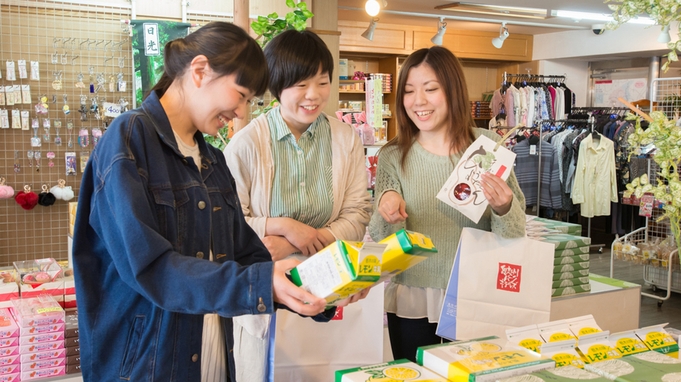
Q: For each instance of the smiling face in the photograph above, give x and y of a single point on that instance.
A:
(424, 100)
(303, 102)
(217, 101)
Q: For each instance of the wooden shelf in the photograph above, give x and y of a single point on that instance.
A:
(351, 91)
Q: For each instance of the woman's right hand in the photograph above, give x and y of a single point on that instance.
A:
(287, 293)
(392, 207)
(278, 246)
(303, 237)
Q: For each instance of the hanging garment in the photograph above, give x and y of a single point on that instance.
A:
(595, 184)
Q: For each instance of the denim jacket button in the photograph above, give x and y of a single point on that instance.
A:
(195, 357)
(199, 255)
(261, 306)
(202, 205)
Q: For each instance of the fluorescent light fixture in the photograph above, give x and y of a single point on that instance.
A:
(598, 17)
(441, 29)
(495, 10)
(664, 36)
(498, 42)
(369, 33)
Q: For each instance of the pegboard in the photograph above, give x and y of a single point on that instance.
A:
(75, 44)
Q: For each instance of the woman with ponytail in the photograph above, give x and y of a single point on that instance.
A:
(162, 254)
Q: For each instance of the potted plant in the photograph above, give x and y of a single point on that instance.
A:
(266, 27)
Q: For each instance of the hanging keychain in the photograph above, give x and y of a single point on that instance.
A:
(80, 84)
(6, 191)
(29, 155)
(46, 198)
(112, 83)
(37, 156)
(42, 106)
(96, 135)
(27, 199)
(83, 138)
(61, 191)
(56, 84)
(66, 109)
(50, 156)
(91, 70)
(17, 166)
(35, 139)
(83, 108)
(46, 127)
(94, 109)
(121, 85)
(69, 132)
(101, 80)
(57, 126)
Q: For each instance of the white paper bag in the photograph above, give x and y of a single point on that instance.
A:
(313, 351)
(496, 284)
(463, 190)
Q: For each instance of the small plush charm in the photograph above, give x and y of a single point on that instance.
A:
(27, 199)
(62, 191)
(6, 191)
(46, 198)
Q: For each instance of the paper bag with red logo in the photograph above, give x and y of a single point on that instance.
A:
(496, 284)
(462, 189)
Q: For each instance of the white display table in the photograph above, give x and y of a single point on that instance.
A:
(614, 304)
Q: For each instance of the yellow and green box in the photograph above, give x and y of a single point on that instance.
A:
(399, 370)
(404, 250)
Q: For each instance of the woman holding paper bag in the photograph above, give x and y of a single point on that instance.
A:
(434, 130)
(301, 180)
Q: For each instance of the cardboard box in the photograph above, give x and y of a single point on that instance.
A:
(42, 329)
(562, 374)
(8, 351)
(571, 251)
(10, 360)
(41, 356)
(648, 366)
(9, 369)
(41, 347)
(72, 351)
(656, 338)
(596, 347)
(560, 226)
(565, 241)
(627, 343)
(73, 368)
(8, 328)
(339, 270)
(485, 359)
(72, 342)
(343, 70)
(71, 324)
(571, 259)
(570, 275)
(38, 338)
(570, 282)
(9, 342)
(398, 370)
(9, 288)
(43, 364)
(73, 360)
(584, 265)
(37, 311)
(14, 377)
(583, 325)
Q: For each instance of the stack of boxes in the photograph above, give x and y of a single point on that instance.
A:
(72, 343)
(41, 336)
(10, 367)
(571, 255)
(480, 109)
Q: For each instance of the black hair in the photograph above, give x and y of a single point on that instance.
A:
(294, 56)
(229, 49)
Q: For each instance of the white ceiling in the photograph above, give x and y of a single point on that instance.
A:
(403, 11)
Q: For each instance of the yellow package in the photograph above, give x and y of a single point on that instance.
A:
(405, 249)
(340, 270)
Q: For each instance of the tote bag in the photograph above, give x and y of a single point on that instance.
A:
(496, 284)
(312, 351)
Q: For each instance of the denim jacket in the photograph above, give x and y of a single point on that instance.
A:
(147, 221)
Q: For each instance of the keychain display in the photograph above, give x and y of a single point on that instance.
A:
(6, 191)
(46, 198)
(27, 199)
(50, 156)
(29, 155)
(42, 106)
(61, 191)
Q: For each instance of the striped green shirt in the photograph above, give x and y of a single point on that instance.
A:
(302, 188)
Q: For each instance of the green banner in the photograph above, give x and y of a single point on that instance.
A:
(149, 38)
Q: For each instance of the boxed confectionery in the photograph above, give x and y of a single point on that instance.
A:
(37, 311)
(572, 251)
(655, 337)
(556, 225)
(627, 343)
(641, 367)
(584, 265)
(484, 359)
(569, 291)
(565, 241)
(583, 325)
(8, 351)
(9, 289)
(14, 377)
(10, 360)
(570, 282)
(42, 373)
(9, 342)
(8, 328)
(563, 353)
(41, 329)
(43, 360)
(39, 277)
(571, 259)
(398, 370)
(558, 330)
(570, 275)
(596, 347)
(71, 324)
(527, 337)
(345, 268)
(559, 374)
(41, 347)
(9, 369)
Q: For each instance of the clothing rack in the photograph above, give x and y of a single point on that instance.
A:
(533, 78)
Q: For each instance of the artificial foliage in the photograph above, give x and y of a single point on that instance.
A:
(663, 12)
(665, 135)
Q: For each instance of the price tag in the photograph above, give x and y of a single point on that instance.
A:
(112, 110)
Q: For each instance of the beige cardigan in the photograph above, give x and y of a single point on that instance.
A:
(249, 158)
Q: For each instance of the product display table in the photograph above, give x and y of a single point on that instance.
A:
(614, 304)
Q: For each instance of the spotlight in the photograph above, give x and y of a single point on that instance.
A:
(441, 29)
(498, 42)
(369, 33)
(374, 6)
(664, 36)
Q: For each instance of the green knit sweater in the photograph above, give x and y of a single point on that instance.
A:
(423, 176)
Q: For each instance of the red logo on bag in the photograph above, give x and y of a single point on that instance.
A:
(339, 314)
(509, 277)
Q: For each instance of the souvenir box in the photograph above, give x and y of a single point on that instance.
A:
(570, 282)
(642, 367)
(565, 241)
(559, 374)
(399, 370)
(569, 291)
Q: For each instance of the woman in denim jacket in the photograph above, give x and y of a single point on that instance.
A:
(162, 253)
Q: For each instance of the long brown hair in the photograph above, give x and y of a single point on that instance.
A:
(450, 75)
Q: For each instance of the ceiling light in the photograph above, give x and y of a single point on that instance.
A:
(441, 29)
(664, 36)
(498, 42)
(369, 33)
(373, 7)
(598, 17)
(495, 10)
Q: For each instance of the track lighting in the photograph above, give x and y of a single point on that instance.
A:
(441, 29)
(664, 36)
(374, 6)
(498, 42)
(369, 33)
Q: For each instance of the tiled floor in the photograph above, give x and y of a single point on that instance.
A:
(651, 313)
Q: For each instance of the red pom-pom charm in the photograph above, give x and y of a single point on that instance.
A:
(27, 199)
